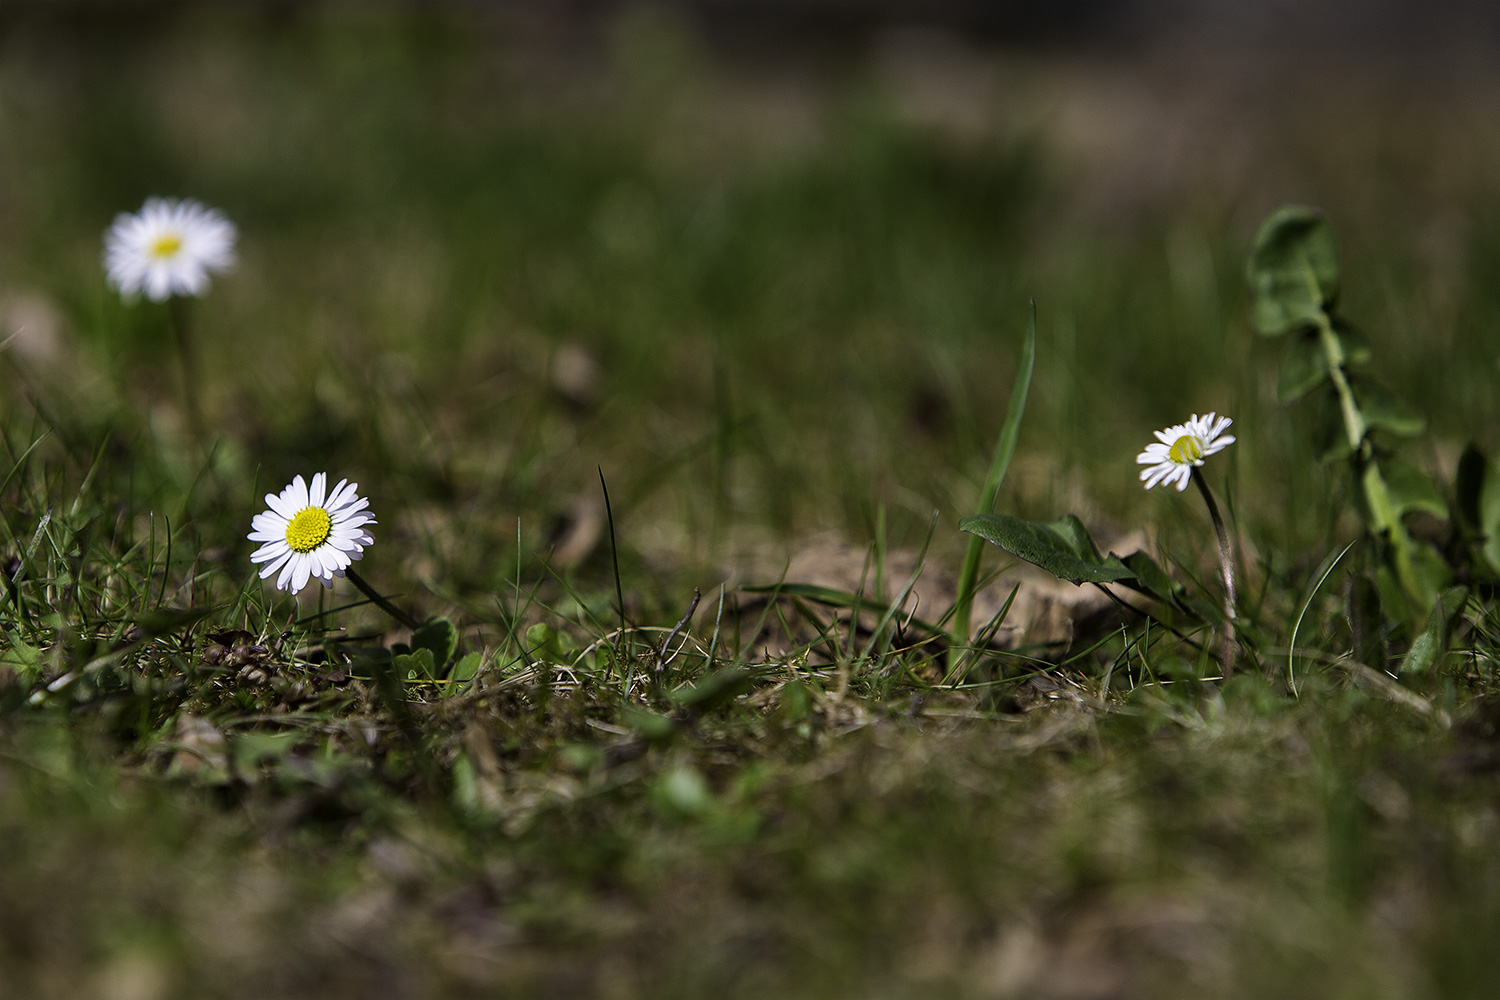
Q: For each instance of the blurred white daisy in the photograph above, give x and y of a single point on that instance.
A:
(309, 534)
(1178, 449)
(167, 248)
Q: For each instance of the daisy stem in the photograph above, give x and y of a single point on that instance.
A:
(177, 311)
(379, 601)
(1226, 565)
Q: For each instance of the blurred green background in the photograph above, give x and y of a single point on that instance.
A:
(768, 282)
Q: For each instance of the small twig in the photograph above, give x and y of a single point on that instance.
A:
(661, 656)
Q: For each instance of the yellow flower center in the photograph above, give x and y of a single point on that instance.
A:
(309, 529)
(166, 245)
(1186, 450)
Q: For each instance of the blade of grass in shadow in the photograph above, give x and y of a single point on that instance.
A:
(1005, 447)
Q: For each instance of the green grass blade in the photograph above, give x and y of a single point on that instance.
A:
(1005, 447)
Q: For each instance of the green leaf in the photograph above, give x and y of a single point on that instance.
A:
(1382, 409)
(1353, 344)
(1411, 489)
(1305, 365)
(1293, 271)
(1429, 645)
(1152, 580)
(465, 669)
(415, 666)
(542, 643)
(1062, 548)
(1430, 571)
(1303, 368)
(440, 638)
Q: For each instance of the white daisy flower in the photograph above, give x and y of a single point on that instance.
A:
(1178, 449)
(308, 534)
(167, 248)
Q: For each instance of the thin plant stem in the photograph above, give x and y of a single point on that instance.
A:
(1226, 566)
(379, 601)
(177, 312)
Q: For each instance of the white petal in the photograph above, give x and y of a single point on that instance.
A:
(269, 551)
(302, 574)
(281, 505)
(272, 567)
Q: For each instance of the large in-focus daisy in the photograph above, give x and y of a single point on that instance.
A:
(1180, 448)
(167, 248)
(309, 534)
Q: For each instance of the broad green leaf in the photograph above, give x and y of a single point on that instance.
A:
(1293, 271)
(438, 636)
(1303, 368)
(1150, 578)
(1071, 530)
(1430, 571)
(1062, 548)
(1411, 489)
(542, 643)
(415, 666)
(465, 669)
(1429, 644)
(1382, 409)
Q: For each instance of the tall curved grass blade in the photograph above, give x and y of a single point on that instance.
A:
(1291, 652)
(1005, 447)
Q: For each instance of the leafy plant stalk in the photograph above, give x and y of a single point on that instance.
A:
(1005, 447)
(1383, 516)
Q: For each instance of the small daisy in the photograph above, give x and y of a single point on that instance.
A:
(1178, 449)
(308, 534)
(167, 248)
